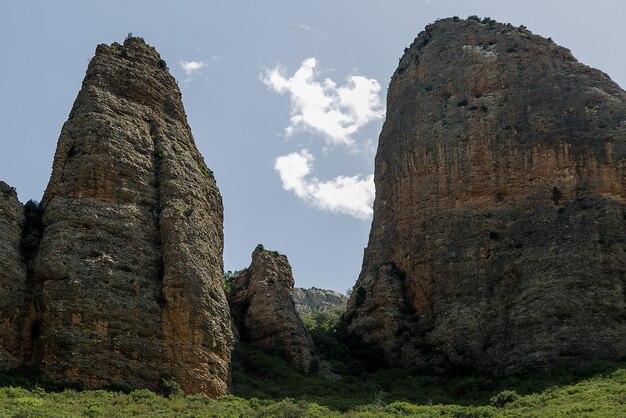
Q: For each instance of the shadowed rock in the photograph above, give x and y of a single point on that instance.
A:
(498, 241)
(263, 309)
(13, 282)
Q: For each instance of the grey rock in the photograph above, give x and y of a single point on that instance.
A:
(317, 300)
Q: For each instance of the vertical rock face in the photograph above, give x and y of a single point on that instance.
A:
(317, 300)
(263, 310)
(13, 284)
(127, 280)
(499, 234)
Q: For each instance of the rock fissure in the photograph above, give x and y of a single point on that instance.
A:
(157, 156)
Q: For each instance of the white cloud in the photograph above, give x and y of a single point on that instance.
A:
(348, 195)
(322, 107)
(191, 67)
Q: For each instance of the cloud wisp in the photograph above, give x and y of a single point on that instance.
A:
(191, 67)
(348, 195)
(323, 107)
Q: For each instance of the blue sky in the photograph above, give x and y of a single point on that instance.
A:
(285, 100)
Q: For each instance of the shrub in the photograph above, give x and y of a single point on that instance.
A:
(94, 411)
(142, 395)
(169, 387)
(503, 398)
(160, 153)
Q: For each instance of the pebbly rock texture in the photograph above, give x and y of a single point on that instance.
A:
(498, 242)
(127, 280)
(13, 282)
(263, 310)
(317, 300)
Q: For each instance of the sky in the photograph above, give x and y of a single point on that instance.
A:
(285, 99)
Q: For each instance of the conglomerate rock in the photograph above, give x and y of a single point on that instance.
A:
(498, 242)
(127, 280)
(317, 300)
(13, 282)
(263, 309)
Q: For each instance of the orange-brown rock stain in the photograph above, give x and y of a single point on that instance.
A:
(499, 183)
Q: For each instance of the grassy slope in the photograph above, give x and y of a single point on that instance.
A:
(266, 386)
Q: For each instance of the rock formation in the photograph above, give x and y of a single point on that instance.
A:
(263, 310)
(13, 283)
(498, 242)
(127, 280)
(317, 300)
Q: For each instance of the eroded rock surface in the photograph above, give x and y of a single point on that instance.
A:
(13, 282)
(317, 300)
(263, 310)
(498, 241)
(128, 287)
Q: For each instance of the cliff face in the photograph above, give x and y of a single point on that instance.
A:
(315, 300)
(127, 285)
(499, 230)
(13, 282)
(263, 310)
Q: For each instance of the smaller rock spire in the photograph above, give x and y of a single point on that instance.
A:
(263, 310)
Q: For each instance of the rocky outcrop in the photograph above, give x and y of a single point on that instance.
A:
(498, 242)
(127, 285)
(13, 282)
(263, 310)
(317, 300)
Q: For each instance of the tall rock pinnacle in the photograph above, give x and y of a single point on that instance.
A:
(498, 241)
(128, 277)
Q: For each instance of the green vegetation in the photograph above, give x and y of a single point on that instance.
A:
(229, 276)
(205, 171)
(265, 386)
(328, 332)
(160, 153)
(485, 20)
